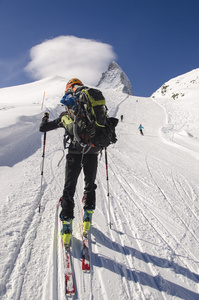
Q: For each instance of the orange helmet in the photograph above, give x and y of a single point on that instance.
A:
(72, 82)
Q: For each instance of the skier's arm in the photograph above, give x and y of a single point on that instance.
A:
(47, 126)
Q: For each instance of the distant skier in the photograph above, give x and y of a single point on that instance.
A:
(122, 117)
(140, 129)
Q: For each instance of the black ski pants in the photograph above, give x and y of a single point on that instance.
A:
(74, 164)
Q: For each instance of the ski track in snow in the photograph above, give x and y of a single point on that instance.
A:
(151, 251)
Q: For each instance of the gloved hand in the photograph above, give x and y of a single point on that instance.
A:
(45, 117)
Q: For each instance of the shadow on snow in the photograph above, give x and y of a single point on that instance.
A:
(156, 282)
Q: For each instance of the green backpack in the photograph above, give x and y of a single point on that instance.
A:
(92, 126)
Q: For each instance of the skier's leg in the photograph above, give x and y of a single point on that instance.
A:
(90, 163)
(90, 170)
(73, 169)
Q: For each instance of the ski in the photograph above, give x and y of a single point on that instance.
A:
(85, 254)
(67, 264)
(85, 248)
(68, 273)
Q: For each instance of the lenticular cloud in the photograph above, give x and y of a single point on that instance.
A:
(69, 56)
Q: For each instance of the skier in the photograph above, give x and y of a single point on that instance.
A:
(75, 161)
(140, 129)
(122, 117)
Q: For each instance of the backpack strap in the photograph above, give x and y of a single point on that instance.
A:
(95, 102)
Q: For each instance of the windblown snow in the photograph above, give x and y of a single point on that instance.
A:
(152, 248)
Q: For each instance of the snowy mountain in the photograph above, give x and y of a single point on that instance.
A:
(115, 78)
(20, 112)
(179, 96)
(152, 249)
(186, 85)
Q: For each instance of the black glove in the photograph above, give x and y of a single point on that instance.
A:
(45, 117)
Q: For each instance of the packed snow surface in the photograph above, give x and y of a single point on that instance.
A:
(152, 248)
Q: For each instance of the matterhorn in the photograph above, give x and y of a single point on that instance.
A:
(115, 78)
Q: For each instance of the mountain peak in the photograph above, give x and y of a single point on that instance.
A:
(113, 65)
(115, 78)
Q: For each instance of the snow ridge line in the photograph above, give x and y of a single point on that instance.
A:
(118, 106)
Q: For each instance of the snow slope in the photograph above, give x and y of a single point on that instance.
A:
(179, 96)
(152, 250)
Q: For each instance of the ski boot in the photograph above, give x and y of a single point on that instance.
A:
(66, 231)
(87, 218)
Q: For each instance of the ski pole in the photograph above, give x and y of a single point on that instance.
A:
(107, 179)
(42, 168)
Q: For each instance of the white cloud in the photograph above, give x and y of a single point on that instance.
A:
(69, 56)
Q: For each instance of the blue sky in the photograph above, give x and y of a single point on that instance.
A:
(151, 40)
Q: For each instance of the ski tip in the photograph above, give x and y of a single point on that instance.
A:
(69, 293)
(86, 271)
(86, 268)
